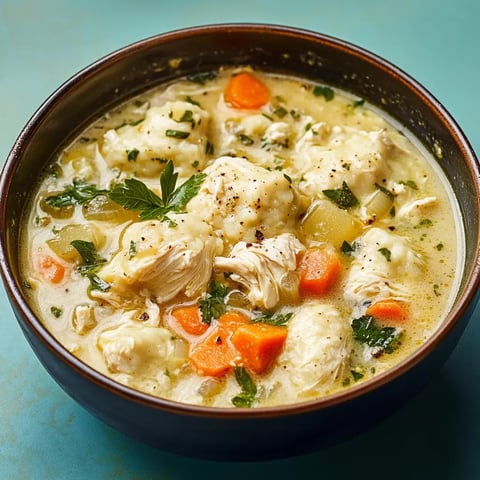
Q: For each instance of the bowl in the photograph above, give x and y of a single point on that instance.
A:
(238, 434)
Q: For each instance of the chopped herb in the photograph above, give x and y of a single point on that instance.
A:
(177, 134)
(280, 112)
(195, 164)
(287, 178)
(409, 183)
(346, 166)
(56, 311)
(387, 192)
(425, 222)
(308, 126)
(348, 249)
(356, 375)
(386, 253)
(436, 290)
(91, 263)
(214, 303)
(439, 246)
(385, 339)
(358, 103)
(343, 196)
(209, 150)
(189, 99)
(78, 193)
(295, 115)
(346, 382)
(135, 195)
(268, 116)
(132, 251)
(325, 92)
(132, 154)
(202, 78)
(278, 319)
(187, 117)
(392, 211)
(249, 389)
(245, 139)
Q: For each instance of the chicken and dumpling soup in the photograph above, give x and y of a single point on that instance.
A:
(242, 239)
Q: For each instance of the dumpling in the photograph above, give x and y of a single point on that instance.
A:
(175, 131)
(383, 262)
(241, 199)
(267, 269)
(160, 261)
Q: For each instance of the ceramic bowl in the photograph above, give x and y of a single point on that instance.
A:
(238, 434)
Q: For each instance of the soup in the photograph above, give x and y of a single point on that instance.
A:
(242, 239)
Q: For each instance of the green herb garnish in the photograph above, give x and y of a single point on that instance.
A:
(384, 339)
(91, 263)
(358, 103)
(276, 319)
(386, 253)
(177, 134)
(409, 183)
(245, 139)
(387, 192)
(209, 150)
(280, 112)
(326, 92)
(343, 196)
(214, 303)
(189, 99)
(132, 249)
(135, 195)
(202, 78)
(249, 389)
(78, 193)
(56, 311)
(132, 154)
(349, 249)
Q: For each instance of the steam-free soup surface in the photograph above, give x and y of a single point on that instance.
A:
(240, 239)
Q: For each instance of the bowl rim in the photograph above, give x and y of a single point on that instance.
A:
(464, 298)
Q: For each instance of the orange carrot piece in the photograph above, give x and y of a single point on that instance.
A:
(388, 311)
(319, 269)
(51, 269)
(258, 344)
(214, 356)
(190, 320)
(233, 317)
(246, 91)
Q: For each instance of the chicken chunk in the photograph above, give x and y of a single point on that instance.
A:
(267, 269)
(175, 131)
(238, 198)
(160, 261)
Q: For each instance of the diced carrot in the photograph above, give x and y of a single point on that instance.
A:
(233, 317)
(319, 269)
(190, 320)
(388, 311)
(246, 91)
(51, 269)
(258, 344)
(214, 355)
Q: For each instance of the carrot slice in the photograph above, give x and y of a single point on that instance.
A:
(388, 311)
(190, 320)
(233, 317)
(319, 269)
(258, 344)
(214, 355)
(246, 91)
(51, 269)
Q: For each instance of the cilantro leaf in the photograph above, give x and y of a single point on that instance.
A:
(133, 194)
(247, 396)
(91, 263)
(214, 303)
(386, 253)
(77, 193)
(342, 197)
(384, 339)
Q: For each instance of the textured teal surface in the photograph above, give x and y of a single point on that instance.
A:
(46, 435)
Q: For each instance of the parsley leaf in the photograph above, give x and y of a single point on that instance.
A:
(91, 263)
(78, 193)
(349, 249)
(342, 197)
(325, 92)
(279, 319)
(247, 396)
(135, 195)
(386, 253)
(202, 78)
(384, 339)
(214, 303)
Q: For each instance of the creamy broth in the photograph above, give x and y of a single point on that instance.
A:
(307, 244)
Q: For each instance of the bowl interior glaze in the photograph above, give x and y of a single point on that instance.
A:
(231, 433)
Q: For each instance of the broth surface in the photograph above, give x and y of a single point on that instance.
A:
(298, 242)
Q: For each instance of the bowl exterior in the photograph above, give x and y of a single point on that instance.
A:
(237, 434)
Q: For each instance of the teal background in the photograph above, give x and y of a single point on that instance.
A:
(46, 435)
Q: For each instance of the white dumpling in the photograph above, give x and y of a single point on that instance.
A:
(238, 198)
(267, 269)
(160, 261)
(316, 350)
(145, 148)
(385, 265)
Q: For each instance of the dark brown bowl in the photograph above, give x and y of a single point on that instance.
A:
(238, 434)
